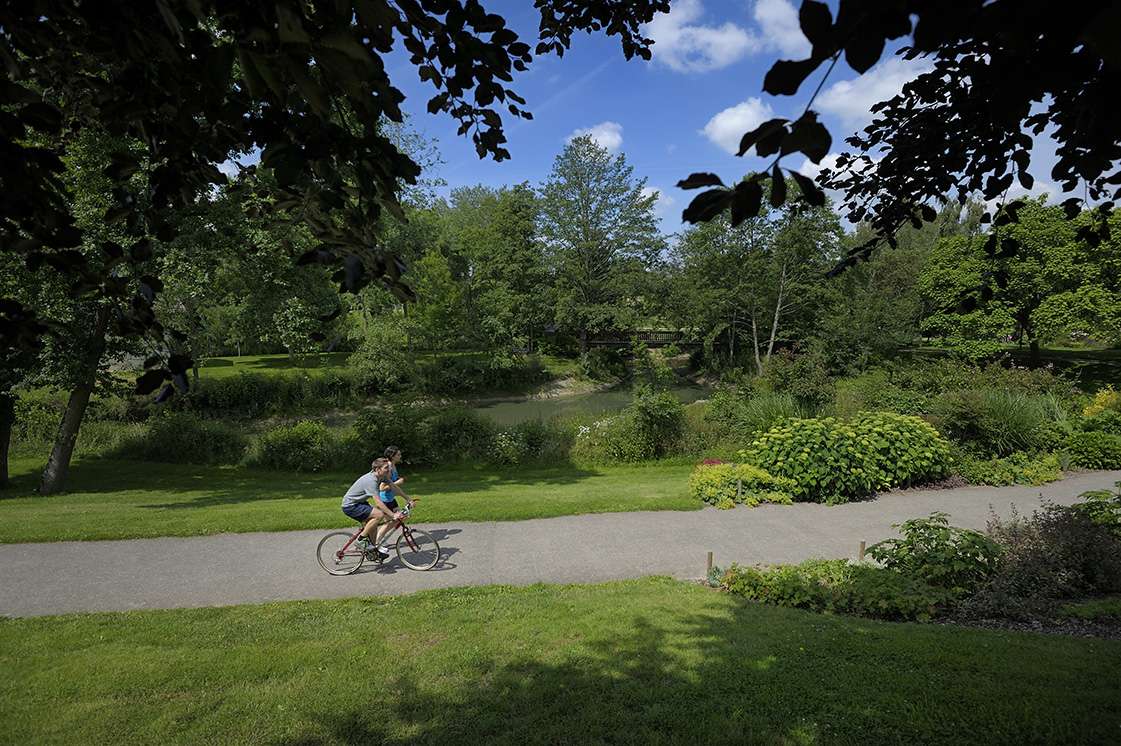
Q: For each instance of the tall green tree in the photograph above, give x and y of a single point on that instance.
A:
(600, 235)
(758, 283)
(1058, 283)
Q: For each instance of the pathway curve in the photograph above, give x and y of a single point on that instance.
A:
(38, 579)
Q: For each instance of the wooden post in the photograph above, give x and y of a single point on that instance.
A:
(708, 566)
(862, 551)
(739, 490)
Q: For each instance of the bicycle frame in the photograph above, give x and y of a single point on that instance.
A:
(398, 524)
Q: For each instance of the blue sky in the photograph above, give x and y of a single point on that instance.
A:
(683, 111)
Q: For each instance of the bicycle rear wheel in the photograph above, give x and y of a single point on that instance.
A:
(333, 559)
(417, 549)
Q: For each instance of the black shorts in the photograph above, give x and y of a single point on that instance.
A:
(392, 505)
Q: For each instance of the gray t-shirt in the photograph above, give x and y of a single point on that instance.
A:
(365, 487)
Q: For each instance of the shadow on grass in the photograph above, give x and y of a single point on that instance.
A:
(753, 675)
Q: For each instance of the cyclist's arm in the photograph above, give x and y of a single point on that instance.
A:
(396, 487)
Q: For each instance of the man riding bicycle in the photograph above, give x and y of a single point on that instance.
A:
(356, 503)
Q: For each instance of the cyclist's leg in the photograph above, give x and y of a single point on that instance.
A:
(364, 514)
(387, 522)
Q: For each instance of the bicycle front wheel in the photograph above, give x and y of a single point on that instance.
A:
(333, 559)
(417, 550)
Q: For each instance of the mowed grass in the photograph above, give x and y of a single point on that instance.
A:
(109, 499)
(651, 661)
(223, 367)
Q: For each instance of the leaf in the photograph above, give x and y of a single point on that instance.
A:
(697, 180)
(1008, 248)
(747, 197)
(778, 187)
(150, 381)
(178, 363)
(1072, 207)
(786, 76)
(763, 130)
(707, 205)
(864, 49)
(816, 22)
(811, 192)
(808, 136)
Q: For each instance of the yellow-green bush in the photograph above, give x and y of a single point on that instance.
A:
(724, 485)
(1106, 399)
(834, 461)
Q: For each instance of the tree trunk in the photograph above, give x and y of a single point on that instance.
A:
(778, 311)
(58, 466)
(583, 341)
(755, 342)
(7, 419)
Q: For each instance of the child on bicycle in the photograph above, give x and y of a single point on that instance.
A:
(356, 503)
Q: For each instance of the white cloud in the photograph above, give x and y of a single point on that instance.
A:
(229, 168)
(606, 134)
(851, 100)
(727, 128)
(811, 169)
(687, 47)
(778, 21)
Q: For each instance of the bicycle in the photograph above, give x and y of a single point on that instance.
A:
(338, 552)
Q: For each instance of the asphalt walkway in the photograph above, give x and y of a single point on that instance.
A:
(55, 578)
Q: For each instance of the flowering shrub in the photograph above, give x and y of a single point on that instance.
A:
(725, 485)
(1105, 399)
(834, 461)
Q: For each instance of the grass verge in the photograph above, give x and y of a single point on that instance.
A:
(131, 499)
(643, 662)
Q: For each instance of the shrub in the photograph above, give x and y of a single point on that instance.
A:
(1019, 468)
(304, 446)
(256, 394)
(603, 364)
(802, 376)
(874, 392)
(184, 438)
(931, 550)
(1057, 553)
(725, 485)
(380, 360)
(838, 586)
(745, 416)
(457, 434)
(374, 429)
(1105, 421)
(613, 439)
(834, 461)
(1094, 450)
(529, 441)
(991, 422)
(460, 374)
(1104, 400)
(38, 415)
(660, 419)
(1103, 507)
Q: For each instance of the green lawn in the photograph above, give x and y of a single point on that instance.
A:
(222, 367)
(131, 499)
(639, 662)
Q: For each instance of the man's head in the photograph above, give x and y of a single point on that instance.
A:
(380, 467)
(393, 453)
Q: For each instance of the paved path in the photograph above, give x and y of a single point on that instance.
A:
(38, 579)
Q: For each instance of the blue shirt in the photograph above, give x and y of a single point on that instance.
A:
(387, 496)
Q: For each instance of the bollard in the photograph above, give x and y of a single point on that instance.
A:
(708, 566)
(862, 551)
